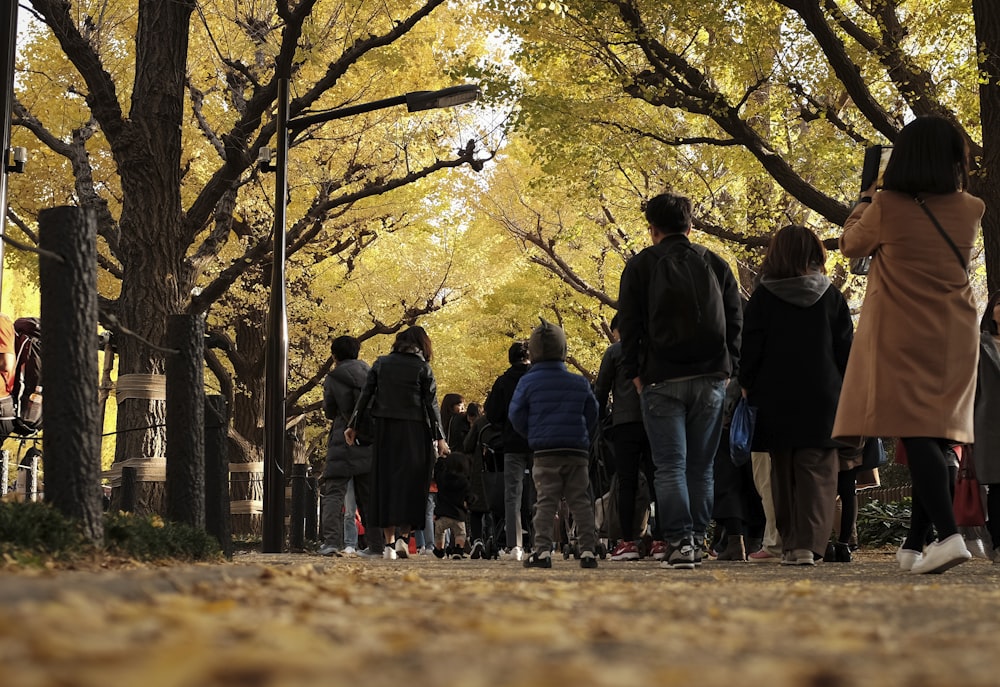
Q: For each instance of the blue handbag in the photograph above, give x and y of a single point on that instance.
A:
(741, 432)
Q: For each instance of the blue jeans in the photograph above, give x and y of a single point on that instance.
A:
(350, 524)
(684, 423)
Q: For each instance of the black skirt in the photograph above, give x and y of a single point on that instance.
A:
(402, 466)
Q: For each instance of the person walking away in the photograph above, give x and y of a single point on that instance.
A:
(986, 452)
(451, 510)
(680, 326)
(617, 396)
(516, 454)
(556, 411)
(912, 370)
(403, 392)
(797, 334)
(345, 462)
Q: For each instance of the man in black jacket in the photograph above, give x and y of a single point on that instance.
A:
(516, 454)
(680, 351)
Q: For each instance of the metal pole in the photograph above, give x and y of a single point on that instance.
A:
(7, 55)
(276, 356)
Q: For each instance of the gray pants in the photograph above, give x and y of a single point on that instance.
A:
(556, 478)
(804, 484)
(514, 465)
(332, 494)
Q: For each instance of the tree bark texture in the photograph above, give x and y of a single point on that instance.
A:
(987, 181)
(186, 420)
(71, 443)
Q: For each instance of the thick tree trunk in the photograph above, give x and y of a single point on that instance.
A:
(246, 438)
(987, 182)
(153, 244)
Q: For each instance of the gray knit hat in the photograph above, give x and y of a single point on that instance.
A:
(547, 342)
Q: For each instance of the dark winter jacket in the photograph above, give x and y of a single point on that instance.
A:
(796, 340)
(633, 306)
(404, 388)
(554, 409)
(498, 403)
(612, 381)
(454, 492)
(341, 390)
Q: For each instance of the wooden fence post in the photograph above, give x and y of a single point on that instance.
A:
(185, 373)
(67, 275)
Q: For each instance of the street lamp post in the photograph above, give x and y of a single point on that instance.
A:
(276, 352)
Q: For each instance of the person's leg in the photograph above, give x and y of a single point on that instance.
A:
(931, 483)
(847, 491)
(548, 487)
(629, 443)
(761, 463)
(664, 416)
(332, 493)
(576, 487)
(815, 493)
(993, 516)
(350, 522)
(514, 465)
(704, 429)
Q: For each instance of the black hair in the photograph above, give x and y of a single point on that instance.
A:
(987, 324)
(345, 348)
(929, 155)
(458, 463)
(474, 410)
(518, 352)
(669, 213)
(614, 322)
(793, 252)
(414, 336)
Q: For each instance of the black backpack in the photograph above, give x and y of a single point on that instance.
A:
(22, 411)
(687, 320)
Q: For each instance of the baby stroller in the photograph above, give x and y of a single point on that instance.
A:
(490, 463)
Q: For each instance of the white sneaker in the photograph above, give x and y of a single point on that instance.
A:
(389, 553)
(976, 548)
(907, 557)
(513, 554)
(942, 555)
(402, 548)
(350, 551)
(427, 551)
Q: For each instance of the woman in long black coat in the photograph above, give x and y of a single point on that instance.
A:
(797, 334)
(408, 436)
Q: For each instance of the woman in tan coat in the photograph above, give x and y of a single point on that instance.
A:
(912, 368)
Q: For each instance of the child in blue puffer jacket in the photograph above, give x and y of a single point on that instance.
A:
(556, 411)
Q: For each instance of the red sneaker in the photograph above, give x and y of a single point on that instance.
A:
(625, 551)
(658, 550)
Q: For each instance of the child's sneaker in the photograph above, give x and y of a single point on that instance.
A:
(680, 555)
(478, 550)
(625, 551)
(588, 560)
(537, 560)
(658, 550)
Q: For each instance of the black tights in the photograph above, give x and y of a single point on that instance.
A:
(933, 490)
(847, 491)
(993, 513)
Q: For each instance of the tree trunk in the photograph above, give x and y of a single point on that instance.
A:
(985, 184)
(152, 239)
(246, 437)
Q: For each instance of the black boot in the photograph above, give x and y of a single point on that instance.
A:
(734, 550)
(842, 552)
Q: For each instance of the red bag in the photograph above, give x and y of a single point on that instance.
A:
(968, 502)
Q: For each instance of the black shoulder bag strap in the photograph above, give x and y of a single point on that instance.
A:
(944, 234)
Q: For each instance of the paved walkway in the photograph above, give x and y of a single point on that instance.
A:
(288, 620)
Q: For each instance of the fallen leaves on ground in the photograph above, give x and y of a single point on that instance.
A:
(303, 620)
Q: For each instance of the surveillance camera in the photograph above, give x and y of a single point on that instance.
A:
(20, 154)
(263, 156)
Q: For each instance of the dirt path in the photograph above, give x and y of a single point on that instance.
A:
(289, 620)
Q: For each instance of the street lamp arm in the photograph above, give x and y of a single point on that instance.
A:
(415, 101)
